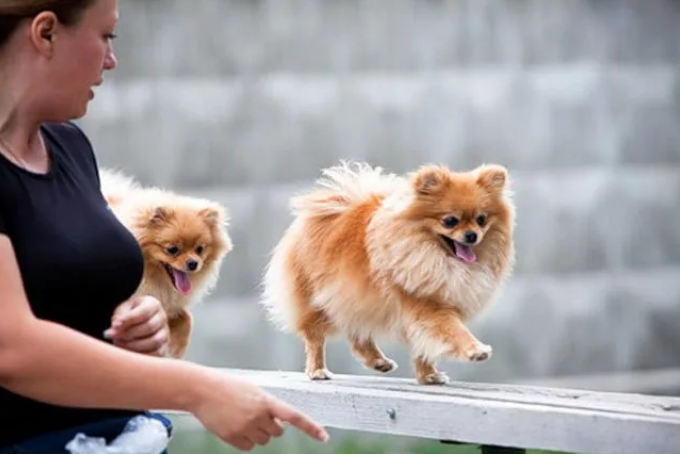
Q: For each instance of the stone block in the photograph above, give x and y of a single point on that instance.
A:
(593, 220)
(237, 37)
(642, 218)
(287, 127)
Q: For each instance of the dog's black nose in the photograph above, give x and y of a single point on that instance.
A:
(192, 265)
(470, 237)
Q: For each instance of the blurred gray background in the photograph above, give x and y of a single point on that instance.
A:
(245, 101)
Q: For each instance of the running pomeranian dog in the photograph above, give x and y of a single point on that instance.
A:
(413, 256)
(184, 241)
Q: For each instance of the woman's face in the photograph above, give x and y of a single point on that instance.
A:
(79, 56)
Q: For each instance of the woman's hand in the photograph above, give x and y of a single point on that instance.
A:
(244, 415)
(140, 325)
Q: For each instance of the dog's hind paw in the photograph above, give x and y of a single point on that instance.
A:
(319, 374)
(437, 378)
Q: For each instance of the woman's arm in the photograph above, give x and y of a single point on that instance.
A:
(55, 364)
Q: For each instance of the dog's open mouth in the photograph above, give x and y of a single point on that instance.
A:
(180, 279)
(459, 250)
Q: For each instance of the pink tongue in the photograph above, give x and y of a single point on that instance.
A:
(465, 252)
(181, 281)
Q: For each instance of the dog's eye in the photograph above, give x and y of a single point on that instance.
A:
(481, 220)
(172, 250)
(199, 250)
(450, 222)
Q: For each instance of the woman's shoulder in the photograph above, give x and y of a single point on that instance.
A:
(67, 133)
(73, 146)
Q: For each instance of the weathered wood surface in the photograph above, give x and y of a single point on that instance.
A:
(655, 381)
(575, 421)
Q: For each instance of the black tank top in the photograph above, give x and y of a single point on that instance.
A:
(76, 260)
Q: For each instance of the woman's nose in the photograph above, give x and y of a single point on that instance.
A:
(110, 62)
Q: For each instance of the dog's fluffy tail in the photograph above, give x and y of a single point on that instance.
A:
(343, 186)
(115, 186)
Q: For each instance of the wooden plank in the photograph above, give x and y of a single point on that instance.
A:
(654, 381)
(528, 417)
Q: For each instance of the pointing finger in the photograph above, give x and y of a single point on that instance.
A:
(286, 413)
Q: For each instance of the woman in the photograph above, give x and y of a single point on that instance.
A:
(66, 264)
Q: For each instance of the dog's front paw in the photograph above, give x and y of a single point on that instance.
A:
(478, 352)
(436, 378)
(385, 365)
(319, 374)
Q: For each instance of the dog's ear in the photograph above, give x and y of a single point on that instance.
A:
(160, 215)
(492, 177)
(430, 180)
(213, 215)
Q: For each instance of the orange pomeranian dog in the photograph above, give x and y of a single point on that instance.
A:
(415, 256)
(184, 241)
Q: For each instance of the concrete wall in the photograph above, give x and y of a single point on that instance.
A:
(246, 100)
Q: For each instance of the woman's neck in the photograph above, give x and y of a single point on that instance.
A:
(19, 130)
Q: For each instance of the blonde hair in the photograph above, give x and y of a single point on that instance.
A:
(13, 12)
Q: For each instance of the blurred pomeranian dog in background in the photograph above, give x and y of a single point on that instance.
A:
(184, 241)
(413, 256)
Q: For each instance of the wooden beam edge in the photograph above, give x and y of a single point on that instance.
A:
(469, 419)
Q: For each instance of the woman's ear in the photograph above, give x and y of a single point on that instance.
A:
(43, 32)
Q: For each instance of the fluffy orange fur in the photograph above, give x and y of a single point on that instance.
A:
(184, 241)
(413, 256)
